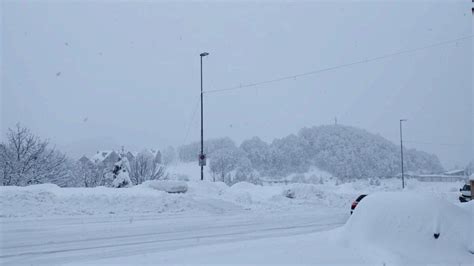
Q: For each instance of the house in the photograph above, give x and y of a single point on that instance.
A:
(105, 159)
(457, 172)
(84, 160)
(130, 156)
(438, 178)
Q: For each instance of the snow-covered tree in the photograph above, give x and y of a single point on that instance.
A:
(287, 156)
(86, 173)
(258, 152)
(348, 153)
(226, 160)
(145, 167)
(26, 159)
(190, 152)
(120, 173)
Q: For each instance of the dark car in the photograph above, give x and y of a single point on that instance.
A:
(465, 193)
(354, 204)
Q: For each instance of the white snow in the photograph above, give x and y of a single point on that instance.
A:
(201, 196)
(388, 228)
(211, 221)
(399, 227)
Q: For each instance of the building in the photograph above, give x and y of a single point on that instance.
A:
(105, 159)
(130, 156)
(84, 160)
(457, 172)
(449, 176)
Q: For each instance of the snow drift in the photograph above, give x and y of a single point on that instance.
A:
(400, 227)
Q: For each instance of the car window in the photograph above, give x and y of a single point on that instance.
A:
(360, 197)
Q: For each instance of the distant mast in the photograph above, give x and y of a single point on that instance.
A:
(335, 121)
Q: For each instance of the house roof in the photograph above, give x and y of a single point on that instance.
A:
(456, 171)
(100, 156)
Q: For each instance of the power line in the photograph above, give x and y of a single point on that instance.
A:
(191, 121)
(313, 72)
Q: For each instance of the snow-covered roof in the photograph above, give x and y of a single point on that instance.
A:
(454, 172)
(471, 177)
(84, 159)
(100, 156)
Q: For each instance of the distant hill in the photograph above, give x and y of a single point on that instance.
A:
(351, 152)
(344, 151)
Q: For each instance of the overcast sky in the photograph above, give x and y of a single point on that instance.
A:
(97, 75)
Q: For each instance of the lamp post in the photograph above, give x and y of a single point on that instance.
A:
(202, 156)
(401, 151)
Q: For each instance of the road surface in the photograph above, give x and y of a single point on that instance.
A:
(82, 239)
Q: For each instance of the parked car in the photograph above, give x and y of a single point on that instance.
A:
(354, 204)
(465, 193)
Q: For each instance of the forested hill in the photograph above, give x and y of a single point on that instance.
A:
(348, 151)
(344, 151)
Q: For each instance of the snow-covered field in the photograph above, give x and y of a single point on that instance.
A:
(241, 224)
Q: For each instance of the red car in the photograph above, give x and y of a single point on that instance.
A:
(354, 204)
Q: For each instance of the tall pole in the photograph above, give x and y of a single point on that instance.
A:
(202, 157)
(202, 128)
(401, 152)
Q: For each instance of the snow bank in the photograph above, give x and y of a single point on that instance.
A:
(50, 200)
(201, 196)
(399, 227)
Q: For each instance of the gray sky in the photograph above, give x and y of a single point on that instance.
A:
(98, 75)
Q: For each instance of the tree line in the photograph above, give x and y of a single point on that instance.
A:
(345, 152)
(26, 159)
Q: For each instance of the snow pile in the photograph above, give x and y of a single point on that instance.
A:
(201, 196)
(50, 200)
(306, 192)
(401, 227)
(169, 186)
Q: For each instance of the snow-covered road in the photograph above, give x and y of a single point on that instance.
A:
(82, 239)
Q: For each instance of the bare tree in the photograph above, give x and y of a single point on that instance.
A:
(87, 174)
(226, 160)
(26, 159)
(144, 167)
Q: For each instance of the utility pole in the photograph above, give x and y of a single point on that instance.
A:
(202, 156)
(401, 151)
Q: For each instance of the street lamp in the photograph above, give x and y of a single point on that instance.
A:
(401, 151)
(202, 156)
